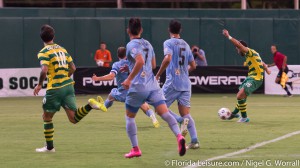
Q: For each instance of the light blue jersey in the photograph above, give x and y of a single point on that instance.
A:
(144, 80)
(177, 73)
(120, 76)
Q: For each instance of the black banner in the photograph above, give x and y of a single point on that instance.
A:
(211, 79)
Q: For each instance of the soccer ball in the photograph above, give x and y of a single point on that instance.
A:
(224, 113)
(100, 63)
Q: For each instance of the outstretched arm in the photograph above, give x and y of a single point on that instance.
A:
(107, 77)
(235, 42)
(266, 68)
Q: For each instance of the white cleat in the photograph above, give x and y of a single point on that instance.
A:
(44, 149)
(183, 127)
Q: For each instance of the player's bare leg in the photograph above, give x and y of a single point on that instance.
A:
(164, 113)
(48, 132)
(185, 113)
(150, 113)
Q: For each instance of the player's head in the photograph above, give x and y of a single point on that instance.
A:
(121, 52)
(47, 33)
(134, 27)
(102, 45)
(245, 45)
(273, 49)
(174, 27)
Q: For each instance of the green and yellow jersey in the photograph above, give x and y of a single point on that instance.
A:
(255, 65)
(57, 59)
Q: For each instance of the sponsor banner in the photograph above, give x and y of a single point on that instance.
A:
(212, 79)
(275, 89)
(20, 82)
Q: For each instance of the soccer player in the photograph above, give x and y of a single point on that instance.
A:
(254, 79)
(280, 61)
(119, 94)
(144, 87)
(178, 62)
(57, 65)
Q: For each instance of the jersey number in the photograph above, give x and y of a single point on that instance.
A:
(146, 50)
(61, 58)
(182, 57)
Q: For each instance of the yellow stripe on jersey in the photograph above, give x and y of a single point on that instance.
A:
(57, 59)
(254, 62)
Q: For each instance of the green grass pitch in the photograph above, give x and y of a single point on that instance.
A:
(100, 139)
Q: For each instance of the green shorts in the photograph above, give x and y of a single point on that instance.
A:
(250, 85)
(55, 98)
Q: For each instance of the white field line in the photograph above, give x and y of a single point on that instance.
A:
(250, 148)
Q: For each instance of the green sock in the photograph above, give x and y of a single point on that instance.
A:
(48, 132)
(243, 107)
(82, 112)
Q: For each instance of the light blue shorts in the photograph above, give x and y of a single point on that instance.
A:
(135, 99)
(118, 95)
(183, 97)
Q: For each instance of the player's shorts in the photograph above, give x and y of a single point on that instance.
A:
(183, 97)
(118, 95)
(286, 70)
(55, 98)
(134, 100)
(250, 85)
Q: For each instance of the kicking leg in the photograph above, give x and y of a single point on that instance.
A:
(242, 105)
(150, 113)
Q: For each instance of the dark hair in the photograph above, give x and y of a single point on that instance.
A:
(135, 25)
(244, 43)
(121, 52)
(274, 46)
(102, 42)
(47, 33)
(174, 27)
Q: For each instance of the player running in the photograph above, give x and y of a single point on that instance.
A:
(57, 65)
(280, 61)
(119, 94)
(178, 62)
(254, 79)
(144, 87)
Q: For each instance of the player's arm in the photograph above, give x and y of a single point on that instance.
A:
(235, 42)
(270, 65)
(284, 63)
(192, 66)
(139, 63)
(153, 62)
(72, 68)
(107, 77)
(266, 68)
(165, 63)
(43, 75)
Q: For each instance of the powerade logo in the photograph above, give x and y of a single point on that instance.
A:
(217, 80)
(86, 81)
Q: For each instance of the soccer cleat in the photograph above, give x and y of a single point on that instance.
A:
(193, 145)
(154, 121)
(243, 120)
(134, 152)
(288, 95)
(100, 99)
(233, 116)
(44, 149)
(183, 127)
(181, 145)
(97, 105)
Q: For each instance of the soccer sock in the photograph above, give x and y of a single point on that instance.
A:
(108, 103)
(48, 132)
(287, 90)
(149, 112)
(192, 128)
(82, 112)
(242, 105)
(177, 117)
(236, 109)
(172, 122)
(131, 131)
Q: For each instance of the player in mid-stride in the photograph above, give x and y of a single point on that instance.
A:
(119, 94)
(178, 62)
(144, 87)
(254, 79)
(58, 66)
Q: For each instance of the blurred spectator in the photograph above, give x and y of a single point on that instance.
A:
(103, 56)
(199, 56)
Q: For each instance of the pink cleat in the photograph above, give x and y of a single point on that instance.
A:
(134, 152)
(181, 145)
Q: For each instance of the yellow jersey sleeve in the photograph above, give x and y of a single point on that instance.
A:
(44, 58)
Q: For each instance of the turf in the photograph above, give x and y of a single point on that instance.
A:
(100, 139)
